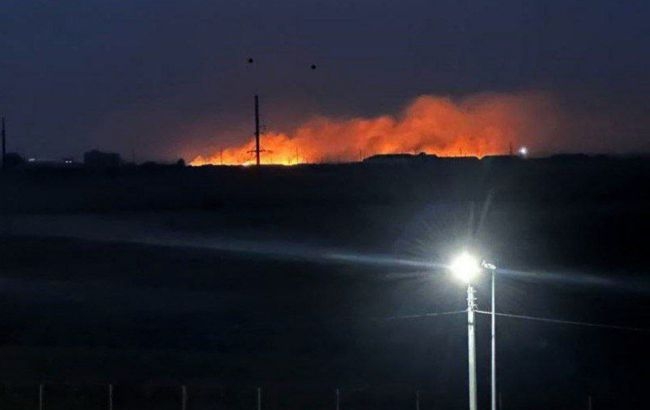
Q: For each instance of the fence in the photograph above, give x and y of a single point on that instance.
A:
(54, 396)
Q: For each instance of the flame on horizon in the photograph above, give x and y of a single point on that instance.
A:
(479, 125)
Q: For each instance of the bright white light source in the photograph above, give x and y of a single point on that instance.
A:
(523, 151)
(465, 267)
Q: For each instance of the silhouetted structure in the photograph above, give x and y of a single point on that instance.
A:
(4, 144)
(257, 130)
(395, 159)
(12, 160)
(45, 163)
(98, 159)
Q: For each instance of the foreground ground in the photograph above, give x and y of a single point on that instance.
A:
(224, 287)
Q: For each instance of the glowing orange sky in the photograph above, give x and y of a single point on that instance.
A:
(478, 125)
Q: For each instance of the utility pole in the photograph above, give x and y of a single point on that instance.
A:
(493, 367)
(4, 145)
(257, 130)
(471, 346)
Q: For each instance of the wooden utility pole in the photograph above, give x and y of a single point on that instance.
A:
(257, 130)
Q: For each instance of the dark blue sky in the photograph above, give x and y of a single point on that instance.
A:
(169, 78)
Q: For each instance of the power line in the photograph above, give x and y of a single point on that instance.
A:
(567, 322)
(420, 316)
(289, 324)
(304, 321)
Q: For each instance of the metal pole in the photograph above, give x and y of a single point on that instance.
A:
(494, 346)
(40, 397)
(257, 129)
(417, 400)
(110, 397)
(471, 347)
(589, 403)
(259, 398)
(184, 397)
(338, 399)
(4, 145)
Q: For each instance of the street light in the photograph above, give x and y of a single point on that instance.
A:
(493, 339)
(466, 268)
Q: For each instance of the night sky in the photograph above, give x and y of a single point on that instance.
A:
(165, 79)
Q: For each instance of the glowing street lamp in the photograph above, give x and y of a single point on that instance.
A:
(467, 268)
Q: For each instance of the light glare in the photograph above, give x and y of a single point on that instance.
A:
(465, 267)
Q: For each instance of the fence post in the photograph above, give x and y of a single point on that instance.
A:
(40, 396)
(110, 397)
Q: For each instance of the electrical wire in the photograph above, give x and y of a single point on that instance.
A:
(419, 316)
(567, 322)
(296, 323)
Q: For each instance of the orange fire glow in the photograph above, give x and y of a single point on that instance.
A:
(479, 125)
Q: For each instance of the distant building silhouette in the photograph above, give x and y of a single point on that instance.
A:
(99, 159)
(12, 160)
(395, 159)
(45, 163)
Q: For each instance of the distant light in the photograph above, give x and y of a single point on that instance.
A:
(465, 267)
(31, 160)
(523, 151)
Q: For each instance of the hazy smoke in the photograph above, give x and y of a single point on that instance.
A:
(478, 125)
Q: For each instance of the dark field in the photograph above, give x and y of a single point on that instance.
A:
(230, 278)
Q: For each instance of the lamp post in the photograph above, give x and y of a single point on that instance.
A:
(493, 332)
(465, 267)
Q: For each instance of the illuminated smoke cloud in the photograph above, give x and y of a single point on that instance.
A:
(478, 125)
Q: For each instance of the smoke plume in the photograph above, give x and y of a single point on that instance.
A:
(478, 125)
